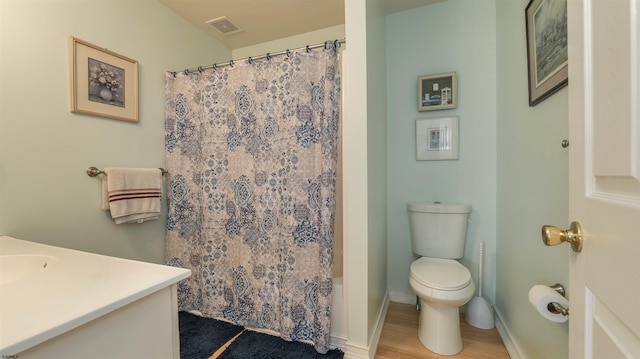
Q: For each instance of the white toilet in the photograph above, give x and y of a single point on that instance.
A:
(438, 233)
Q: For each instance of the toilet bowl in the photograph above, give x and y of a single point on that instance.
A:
(443, 285)
(438, 236)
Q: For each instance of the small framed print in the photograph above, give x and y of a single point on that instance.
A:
(437, 92)
(103, 83)
(437, 139)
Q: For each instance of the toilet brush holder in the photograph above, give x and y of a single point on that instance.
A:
(478, 311)
(479, 314)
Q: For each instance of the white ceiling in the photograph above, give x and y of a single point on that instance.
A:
(267, 20)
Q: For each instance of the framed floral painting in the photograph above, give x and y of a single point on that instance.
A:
(103, 83)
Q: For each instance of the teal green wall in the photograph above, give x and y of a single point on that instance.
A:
(512, 169)
(455, 35)
(532, 183)
(45, 195)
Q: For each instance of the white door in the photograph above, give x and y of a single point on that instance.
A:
(604, 180)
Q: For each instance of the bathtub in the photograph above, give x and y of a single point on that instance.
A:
(338, 317)
(63, 303)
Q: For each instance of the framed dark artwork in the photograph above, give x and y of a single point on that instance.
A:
(547, 50)
(103, 83)
(437, 92)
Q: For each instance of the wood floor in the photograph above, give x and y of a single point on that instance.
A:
(399, 339)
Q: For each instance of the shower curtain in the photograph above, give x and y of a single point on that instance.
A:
(251, 152)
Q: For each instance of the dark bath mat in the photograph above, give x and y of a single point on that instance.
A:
(201, 337)
(264, 346)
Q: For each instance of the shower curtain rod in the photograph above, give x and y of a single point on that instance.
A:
(250, 59)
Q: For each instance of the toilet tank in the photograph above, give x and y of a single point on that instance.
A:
(438, 230)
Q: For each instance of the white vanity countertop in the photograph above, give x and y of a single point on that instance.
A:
(75, 288)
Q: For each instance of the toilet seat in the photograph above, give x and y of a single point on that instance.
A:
(440, 274)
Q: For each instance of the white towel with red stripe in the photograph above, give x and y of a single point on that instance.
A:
(132, 194)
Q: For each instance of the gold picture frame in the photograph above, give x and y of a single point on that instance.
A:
(103, 83)
(437, 92)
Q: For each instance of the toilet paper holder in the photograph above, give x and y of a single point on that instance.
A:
(557, 308)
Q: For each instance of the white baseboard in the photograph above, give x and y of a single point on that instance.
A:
(400, 297)
(507, 338)
(352, 351)
(357, 352)
(336, 342)
(375, 336)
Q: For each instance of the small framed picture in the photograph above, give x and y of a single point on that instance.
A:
(547, 48)
(437, 92)
(437, 139)
(103, 83)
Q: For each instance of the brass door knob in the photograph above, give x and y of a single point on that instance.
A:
(552, 236)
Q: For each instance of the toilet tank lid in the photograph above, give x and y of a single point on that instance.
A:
(437, 207)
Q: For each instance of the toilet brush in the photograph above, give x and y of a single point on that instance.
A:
(478, 312)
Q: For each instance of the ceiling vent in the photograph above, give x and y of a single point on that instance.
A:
(224, 26)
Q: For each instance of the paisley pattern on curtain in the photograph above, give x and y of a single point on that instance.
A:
(251, 152)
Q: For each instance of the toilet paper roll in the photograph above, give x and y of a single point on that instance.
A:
(541, 295)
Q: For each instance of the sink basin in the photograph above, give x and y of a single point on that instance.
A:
(18, 266)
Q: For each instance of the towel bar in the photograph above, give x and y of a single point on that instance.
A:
(94, 171)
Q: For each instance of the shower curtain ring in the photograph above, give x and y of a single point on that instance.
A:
(174, 74)
(336, 44)
(268, 56)
(215, 67)
(288, 53)
(186, 72)
(308, 48)
(200, 69)
(231, 63)
(250, 60)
